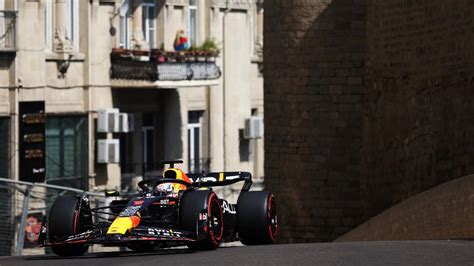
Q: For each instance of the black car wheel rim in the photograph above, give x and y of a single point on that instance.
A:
(215, 219)
(272, 218)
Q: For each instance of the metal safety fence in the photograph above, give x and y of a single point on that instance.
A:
(23, 208)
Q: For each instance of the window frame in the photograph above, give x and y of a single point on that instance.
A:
(48, 25)
(193, 36)
(146, 6)
(72, 29)
(192, 126)
(124, 25)
(66, 175)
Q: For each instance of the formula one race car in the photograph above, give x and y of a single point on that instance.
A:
(176, 209)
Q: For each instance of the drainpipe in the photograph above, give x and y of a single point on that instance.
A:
(226, 11)
(16, 121)
(90, 117)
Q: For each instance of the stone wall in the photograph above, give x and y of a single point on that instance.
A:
(366, 105)
(419, 125)
(314, 82)
(443, 212)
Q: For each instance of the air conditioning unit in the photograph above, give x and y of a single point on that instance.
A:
(126, 122)
(108, 151)
(253, 127)
(108, 120)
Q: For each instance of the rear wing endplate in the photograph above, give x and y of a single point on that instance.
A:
(221, 179)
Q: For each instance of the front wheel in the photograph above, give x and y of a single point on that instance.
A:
(192, 203)
(257, 221)
(64, 221)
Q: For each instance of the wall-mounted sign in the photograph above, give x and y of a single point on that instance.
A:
(32, 141)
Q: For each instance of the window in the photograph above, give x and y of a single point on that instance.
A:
(67, 151)
(7, 230)
(73, 22)
(4, 147)
(149, 29)
(124, 34)
(194, 141)
(192, 22)
(244, 147)
(2, 24)
(148, 136)
(48, 24)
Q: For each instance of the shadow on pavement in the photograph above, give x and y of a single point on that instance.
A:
(112, 254)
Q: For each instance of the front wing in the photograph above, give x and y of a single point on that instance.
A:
(141, 233)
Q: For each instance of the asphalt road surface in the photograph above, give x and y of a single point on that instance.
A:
(361, 253)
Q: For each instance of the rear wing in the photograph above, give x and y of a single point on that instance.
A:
(221, 179)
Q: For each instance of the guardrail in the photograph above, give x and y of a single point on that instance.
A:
(21, 221)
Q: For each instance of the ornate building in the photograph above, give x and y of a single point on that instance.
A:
(85, 57)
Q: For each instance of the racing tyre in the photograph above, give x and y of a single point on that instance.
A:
(65, 220)
(257, 222)
(192, 203)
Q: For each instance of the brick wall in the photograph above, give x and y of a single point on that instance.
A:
(418, 128)
(314, 82)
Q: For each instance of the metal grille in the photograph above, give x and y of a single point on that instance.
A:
(204, 71)
(174, 71)
(126, 66)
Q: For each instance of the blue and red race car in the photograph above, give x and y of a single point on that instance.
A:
(177, 209)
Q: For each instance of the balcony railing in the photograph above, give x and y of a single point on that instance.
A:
(8, 31)
(163, 66)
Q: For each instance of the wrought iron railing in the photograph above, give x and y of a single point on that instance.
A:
(163, 66)
(8, 30)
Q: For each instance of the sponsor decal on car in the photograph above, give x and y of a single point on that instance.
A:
(138, 202)
(163, 232)
(232, 177)
(129, 211)
(80, 236)
(202, 216)
(228, 208)
(206, 179)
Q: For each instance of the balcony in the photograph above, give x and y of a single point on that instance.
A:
(163, 69)
(8, 31)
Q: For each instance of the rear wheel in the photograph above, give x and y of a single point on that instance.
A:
(65, 220)
(192, 203)
(257, 222)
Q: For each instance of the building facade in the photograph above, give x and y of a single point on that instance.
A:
(61, 54)
(81, 57)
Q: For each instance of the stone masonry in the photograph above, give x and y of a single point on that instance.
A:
(314, 66)
(367, 103)
(419, 124)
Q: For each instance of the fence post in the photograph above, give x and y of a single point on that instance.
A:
(24, 216)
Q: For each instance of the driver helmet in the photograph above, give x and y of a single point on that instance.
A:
(164, 189)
